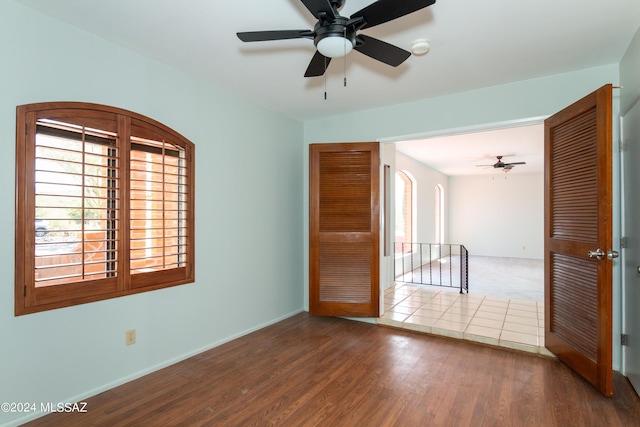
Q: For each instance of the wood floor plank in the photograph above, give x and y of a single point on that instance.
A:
(314, 371)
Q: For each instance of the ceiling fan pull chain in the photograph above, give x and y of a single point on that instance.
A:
(325, 78)
(345, 57)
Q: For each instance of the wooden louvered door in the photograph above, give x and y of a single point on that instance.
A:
(344, 229)
(578, 217)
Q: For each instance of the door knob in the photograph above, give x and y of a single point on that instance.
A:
(600, 254)
(597, 254)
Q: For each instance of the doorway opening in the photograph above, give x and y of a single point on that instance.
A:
(498, 215)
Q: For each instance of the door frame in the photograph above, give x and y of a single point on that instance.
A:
(623, 254)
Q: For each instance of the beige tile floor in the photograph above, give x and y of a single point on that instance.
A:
(491, 320)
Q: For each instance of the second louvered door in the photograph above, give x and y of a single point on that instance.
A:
(344, 229)
(578, 221)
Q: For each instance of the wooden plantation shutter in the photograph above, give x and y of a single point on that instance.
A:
(76, 182)
(104, 205)
(344, 229)
(75, 191)
(159, 195)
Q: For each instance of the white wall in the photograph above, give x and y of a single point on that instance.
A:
(426, 180)
(498, 215)
(248, 201)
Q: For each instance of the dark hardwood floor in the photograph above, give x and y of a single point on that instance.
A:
(315, 371)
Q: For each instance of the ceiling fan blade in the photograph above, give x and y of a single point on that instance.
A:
(318, 65)
(260, 36)
(515, 163)
(381, 51)
(383, 11)
(318, 7)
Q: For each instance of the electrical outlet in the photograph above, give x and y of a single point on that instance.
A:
(130, 337)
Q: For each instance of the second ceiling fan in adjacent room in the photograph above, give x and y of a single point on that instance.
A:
(505, 166)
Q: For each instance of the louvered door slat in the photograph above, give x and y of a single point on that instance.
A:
(575, 302)
(574, 204)
(345, 272)
(344, 229)
(578, 220)
(345, 191)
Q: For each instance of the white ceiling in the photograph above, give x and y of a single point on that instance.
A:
(461, 154)
(474, 44)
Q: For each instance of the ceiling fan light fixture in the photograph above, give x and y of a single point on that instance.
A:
(334, 46)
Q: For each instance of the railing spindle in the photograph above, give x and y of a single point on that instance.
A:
(418, 254)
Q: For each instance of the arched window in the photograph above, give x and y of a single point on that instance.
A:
(405, 188)
(439, 213)
(105, 205)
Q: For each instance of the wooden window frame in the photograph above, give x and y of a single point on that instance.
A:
(125, 125)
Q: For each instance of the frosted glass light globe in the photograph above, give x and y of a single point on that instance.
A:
(334, 46)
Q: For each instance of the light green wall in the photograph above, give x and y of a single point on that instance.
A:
(247, 176)
(248, 217)
(515, 101)
(630, 73)
(630, 81)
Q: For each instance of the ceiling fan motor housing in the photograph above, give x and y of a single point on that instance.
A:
(334, 28)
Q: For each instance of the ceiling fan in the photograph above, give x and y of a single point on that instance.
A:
(335, 35)
(502, 165)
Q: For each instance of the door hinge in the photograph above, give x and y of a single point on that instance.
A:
(25, 290)
(624, 339)
(623, 242)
